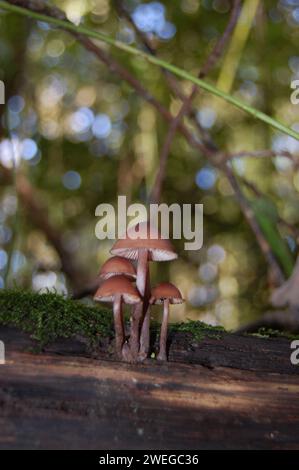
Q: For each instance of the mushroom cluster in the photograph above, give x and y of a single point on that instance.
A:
(140, 245)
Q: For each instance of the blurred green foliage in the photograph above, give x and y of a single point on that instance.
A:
(82, 136)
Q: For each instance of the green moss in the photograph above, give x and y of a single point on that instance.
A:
(50, 316)
(271, 333)
(47, 317)
(199, 330)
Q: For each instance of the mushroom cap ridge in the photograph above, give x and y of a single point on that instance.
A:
(116, 266)
(164, 291)
(159, 249)
(117, 285)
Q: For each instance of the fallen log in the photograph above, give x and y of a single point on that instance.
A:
(223, 392)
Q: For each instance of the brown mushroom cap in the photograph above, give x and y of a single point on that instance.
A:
(117, 285)
(159, 249)
(115, 266)
(164, 291)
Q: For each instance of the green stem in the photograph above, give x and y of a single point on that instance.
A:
(154, 60)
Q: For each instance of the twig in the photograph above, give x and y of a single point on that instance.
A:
(261, 154)
(144, 39)
(187, 102)
(221, 43)
(157, 187)
(173, 84)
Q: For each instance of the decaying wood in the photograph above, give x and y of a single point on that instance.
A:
(233, 392)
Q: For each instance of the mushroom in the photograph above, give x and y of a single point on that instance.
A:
(118, 289)
(165, 293)
(143, 243)
(115, 266)
(112, 267)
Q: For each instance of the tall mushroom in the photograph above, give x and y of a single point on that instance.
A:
(165, 293)
(115, 266)
(118, 289)
(147, 246)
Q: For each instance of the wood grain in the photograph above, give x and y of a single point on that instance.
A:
(202, 399)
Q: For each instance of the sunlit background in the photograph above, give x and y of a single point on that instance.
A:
(81, 136)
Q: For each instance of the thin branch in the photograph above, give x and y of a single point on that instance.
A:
(261, 154)
(172, 81)
(187, 102)
(257, 114)
(157, 186)
(144, 39)
(115, 67)
(218, 50)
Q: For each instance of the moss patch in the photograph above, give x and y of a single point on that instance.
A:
(47, 317)
(50, 316)
(271, 333)
(199, 330)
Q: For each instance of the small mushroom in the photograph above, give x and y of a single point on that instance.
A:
(115, 266)
(165, 293)
(118, 289)
(147, 246)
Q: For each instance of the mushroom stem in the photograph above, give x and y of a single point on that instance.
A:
(145, 329)
(162, 356)
(118, 325)
(142, 269)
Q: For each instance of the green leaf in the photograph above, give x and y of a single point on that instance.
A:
(267, 217)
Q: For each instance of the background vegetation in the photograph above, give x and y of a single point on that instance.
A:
(75, 134)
